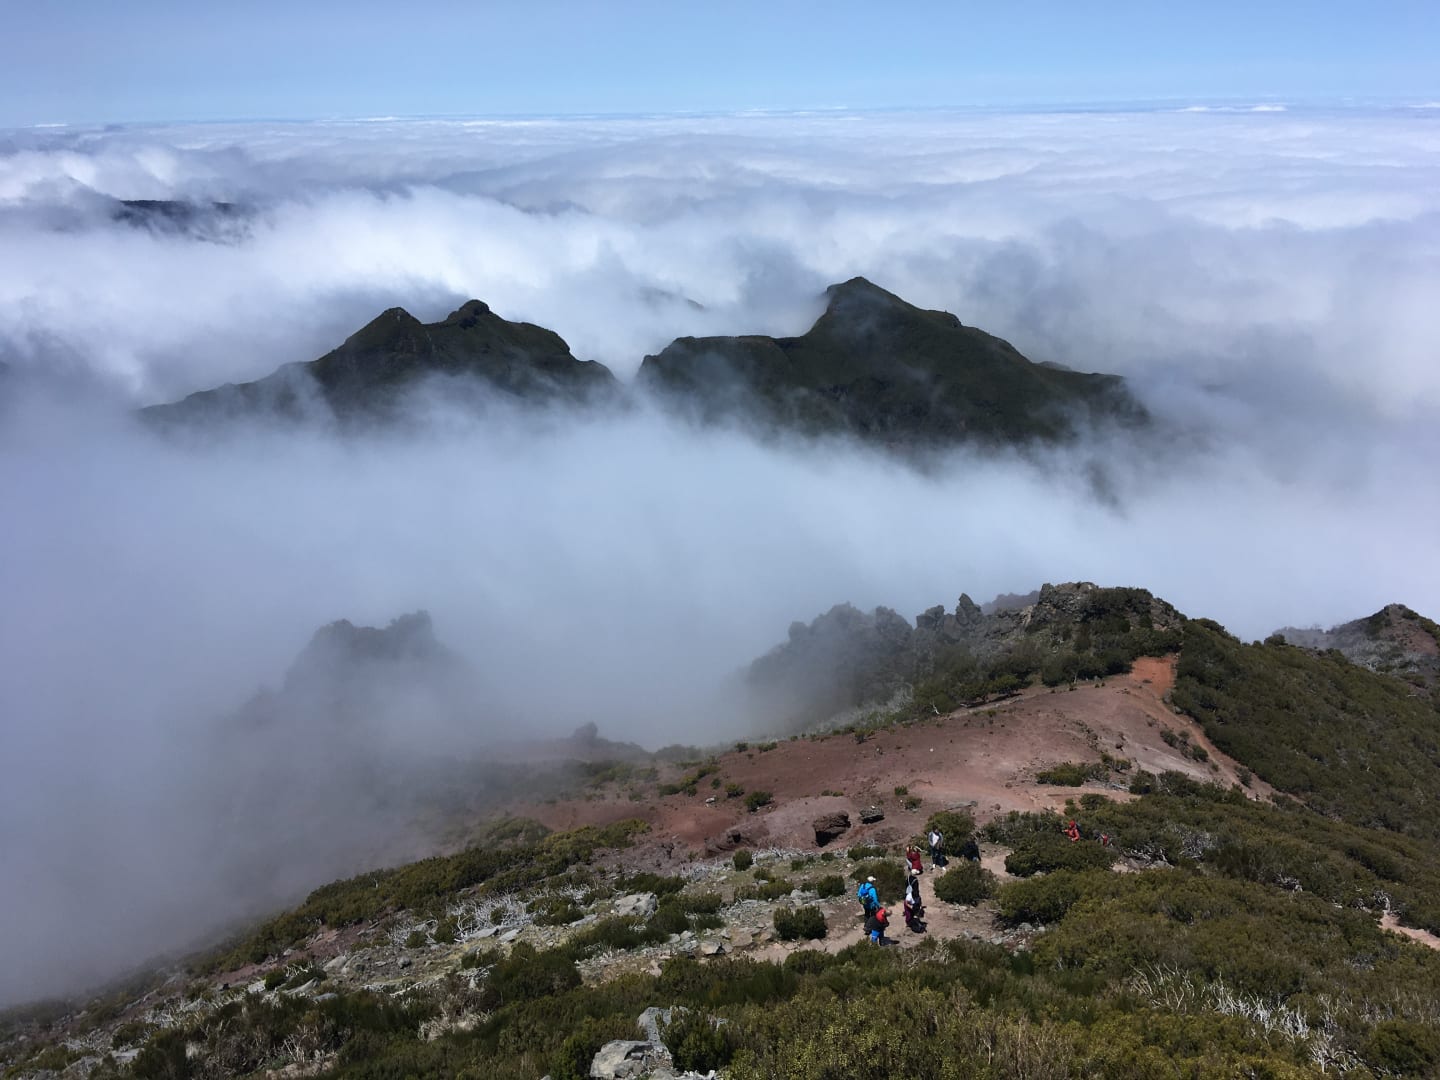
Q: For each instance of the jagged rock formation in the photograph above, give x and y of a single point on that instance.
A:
(842, 658)
(1395, 640)
(368, 378)
(878, 368)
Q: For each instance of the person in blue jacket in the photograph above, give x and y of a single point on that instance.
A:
(869, 898)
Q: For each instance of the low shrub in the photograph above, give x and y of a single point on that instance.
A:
(756, 799)
(830, 885)
(743, 860)
(793, 924)
(1040, 900)
(1072, 773)
(965, 883)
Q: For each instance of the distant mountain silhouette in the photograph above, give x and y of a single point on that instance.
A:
(882, 369)
(367, 377)
(872, 367)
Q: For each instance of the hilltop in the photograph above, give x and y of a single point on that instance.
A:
(366, 379)
(873, 367)
(878, 368)
(1226, 911)
(1394, 640)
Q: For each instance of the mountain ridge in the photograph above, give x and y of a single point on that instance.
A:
(872, 367)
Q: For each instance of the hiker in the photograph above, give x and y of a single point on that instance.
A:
(970, 850)
(1073, 831)
(1104, 839)
(912, 856)
(868, 897)
(876, 924)
(937, 847)
(914, 909)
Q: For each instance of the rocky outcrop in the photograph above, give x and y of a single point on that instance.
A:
(1396, 640)
(830, 827)
(637, 905)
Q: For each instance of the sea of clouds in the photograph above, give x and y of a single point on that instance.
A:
(1265, 279)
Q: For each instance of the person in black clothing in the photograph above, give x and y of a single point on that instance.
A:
(914, 907)
(970, 850)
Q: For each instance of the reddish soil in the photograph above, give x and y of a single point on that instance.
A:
(983, 758)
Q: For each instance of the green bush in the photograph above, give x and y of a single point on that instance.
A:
(1039, 900)
(866, 851)
(696, 1043)
(956, 826)
(1072, 773)
(964, 883)
(793, 924)
(889, 879)
(774, 890)
(830, 885)
(743, 860)
(1043, 852)
(756, 799)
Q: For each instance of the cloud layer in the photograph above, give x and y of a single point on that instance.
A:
(1265, 279)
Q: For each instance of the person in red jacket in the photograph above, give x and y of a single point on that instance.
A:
(1073, 831)
(912, 856)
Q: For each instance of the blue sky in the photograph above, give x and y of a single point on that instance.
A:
(85, 61)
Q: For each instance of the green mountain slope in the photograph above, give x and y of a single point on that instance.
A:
(876, 367)
(367, 377)
(1355, 745)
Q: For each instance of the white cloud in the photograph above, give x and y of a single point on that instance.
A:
(1266, 279)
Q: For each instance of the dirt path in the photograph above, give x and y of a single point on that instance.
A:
(1424, 937)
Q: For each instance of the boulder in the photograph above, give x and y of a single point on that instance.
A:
(641, 905)
(871, 814)
(624, 1058)
(829, 826)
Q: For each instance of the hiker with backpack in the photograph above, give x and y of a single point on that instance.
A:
(914, 909)
(868, 897)
(937, 847)
(876, 923)
(970, 850)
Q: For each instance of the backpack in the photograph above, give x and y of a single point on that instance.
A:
(881, 918)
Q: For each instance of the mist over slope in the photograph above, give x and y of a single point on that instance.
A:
(1265, 288)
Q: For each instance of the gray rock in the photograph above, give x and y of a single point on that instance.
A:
(711, 948)
(652, 1021)
(508, 936)
(871, 814)
(487, 932)
(336, 964)
(621, 1059)
(637, 904)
